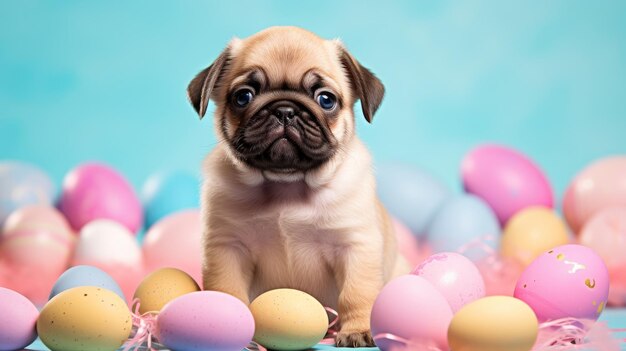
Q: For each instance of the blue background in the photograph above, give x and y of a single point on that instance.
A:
(106, 81)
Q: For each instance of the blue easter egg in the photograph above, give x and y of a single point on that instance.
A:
(165, 193)
(410, 194)
(85, 276)
(462, 220)
(23, 184)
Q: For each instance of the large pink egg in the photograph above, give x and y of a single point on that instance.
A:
(18, 319)
(506, 179)
(600, 185)
(455, 276)
(96, 191)
(411, 308)
(35, 246)
(175, 241)
(205, 320)
(567, 281)
(110, 246)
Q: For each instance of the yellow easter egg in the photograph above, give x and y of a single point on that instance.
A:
(161, 287)
(85, 318)
(532, 232)
(288, 319)
(494, 323)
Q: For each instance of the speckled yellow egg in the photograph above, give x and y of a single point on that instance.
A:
(532, 232)
(85, 318)
(493, 323)
(161, 287)
(288, 319)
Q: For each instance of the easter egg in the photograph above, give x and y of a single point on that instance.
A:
(111, 247)
(462, 221)
(506, 179)
(175, 241)
(95, 191)
(36, 217)
(18, 317)
(567, 281)
(85, 318)
(410, 194)
(35, 246)
(493, 323)
(23, 184)
(605, 233)
(78, 276)
(161, 287)
(205, 320)
(288, 319)
(401, 309)
(454, 276)
(532, 231)
(168, 192)
(600, 185)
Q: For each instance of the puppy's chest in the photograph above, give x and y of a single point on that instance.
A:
(294, 250)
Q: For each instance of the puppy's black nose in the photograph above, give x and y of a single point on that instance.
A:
(284, 111)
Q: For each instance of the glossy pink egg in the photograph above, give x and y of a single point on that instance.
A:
(506, 179)
(567, 281)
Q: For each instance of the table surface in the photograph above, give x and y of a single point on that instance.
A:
(616, 318)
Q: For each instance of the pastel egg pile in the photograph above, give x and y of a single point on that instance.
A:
(97, 219)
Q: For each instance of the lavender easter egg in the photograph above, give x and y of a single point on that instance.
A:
(18, 318)
(566, 281)
(205, 320)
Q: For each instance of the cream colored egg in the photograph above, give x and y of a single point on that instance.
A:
(532, 232)
(162, 286)
(494, 323)
(288, 319)
(85, 319)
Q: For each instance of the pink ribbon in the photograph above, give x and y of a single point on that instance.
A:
(408, 345)
(145, 324)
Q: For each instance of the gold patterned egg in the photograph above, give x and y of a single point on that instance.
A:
(162, 286)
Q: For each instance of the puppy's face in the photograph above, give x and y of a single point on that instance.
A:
(284, 98)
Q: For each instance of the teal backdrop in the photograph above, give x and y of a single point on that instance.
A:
(106, 80)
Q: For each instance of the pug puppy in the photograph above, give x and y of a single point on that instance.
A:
(289, 197)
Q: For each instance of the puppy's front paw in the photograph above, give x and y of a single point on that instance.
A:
(354, 339)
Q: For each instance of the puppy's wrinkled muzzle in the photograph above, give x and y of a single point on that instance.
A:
(284, 135)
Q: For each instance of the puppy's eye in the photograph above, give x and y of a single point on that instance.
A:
(243, 97)
(326, 100)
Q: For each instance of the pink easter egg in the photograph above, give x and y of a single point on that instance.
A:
(407, 243)
(205, 320)
(600, 185)
(96, 191)
(506, 179)
(35, 217)
(411, 308)
(567, 281)
(18, 320)
(175, 241)
(35, 245)
(110, 246)
(455, 276)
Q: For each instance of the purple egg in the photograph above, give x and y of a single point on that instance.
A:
(18, 318)
(205, 320)
(567, 281)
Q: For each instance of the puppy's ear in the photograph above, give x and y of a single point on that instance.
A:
(200, 88)
(365, 84)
